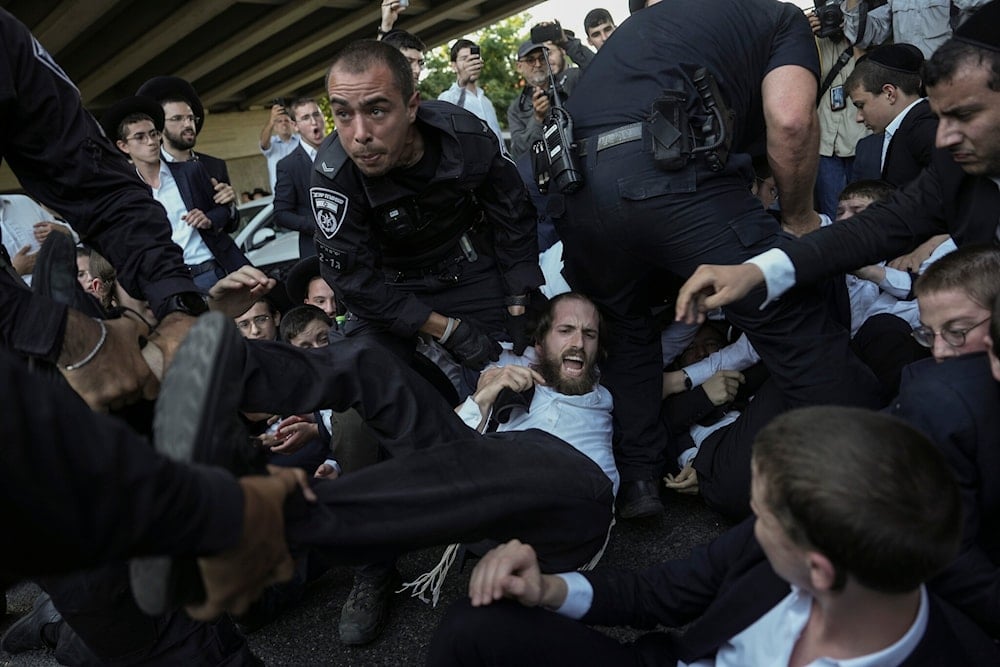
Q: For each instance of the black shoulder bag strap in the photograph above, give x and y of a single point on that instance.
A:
(846, 55)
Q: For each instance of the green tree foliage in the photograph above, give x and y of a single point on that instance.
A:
(499, 79)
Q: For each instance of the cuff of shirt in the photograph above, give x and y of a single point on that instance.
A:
(579, 596)
(897, 283)
(778, 270)
(470, 413)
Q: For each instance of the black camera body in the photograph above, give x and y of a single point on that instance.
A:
(551, 32)
(831, 18)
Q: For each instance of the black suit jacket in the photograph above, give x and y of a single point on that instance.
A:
(943, 199)
(292, 208)
(723, 588)
(868, 158)
(197, 192)
(956, 403)
(911, 147)
(216, 167)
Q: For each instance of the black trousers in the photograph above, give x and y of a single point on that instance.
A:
(444, 483)
(723, 460)
(508, 634)
(631, 223)
(111, 630)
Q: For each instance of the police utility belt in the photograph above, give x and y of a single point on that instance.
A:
(673, 134)
(445, 269)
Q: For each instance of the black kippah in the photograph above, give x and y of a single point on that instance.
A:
(981, 29)
(904, 58)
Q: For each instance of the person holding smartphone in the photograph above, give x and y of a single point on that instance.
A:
(467, 63)
(278, 138)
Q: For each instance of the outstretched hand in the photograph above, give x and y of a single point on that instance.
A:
(235, 293)
(118, 374)
(712, 286)
(236, 577)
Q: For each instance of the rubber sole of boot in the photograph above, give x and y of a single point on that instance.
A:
(198, 396)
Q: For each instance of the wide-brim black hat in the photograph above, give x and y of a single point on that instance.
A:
(980, 29)
(167, 87)
(118, 111)
(299, 276)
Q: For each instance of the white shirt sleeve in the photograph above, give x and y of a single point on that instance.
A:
(896, 283)
(736, 357)
(469, 413)
(778, 270)
(579, 596)
(675, 338)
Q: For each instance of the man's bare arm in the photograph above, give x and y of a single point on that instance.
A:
(793, 142)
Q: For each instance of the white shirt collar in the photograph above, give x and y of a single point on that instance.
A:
(771, 638)
(310, 151)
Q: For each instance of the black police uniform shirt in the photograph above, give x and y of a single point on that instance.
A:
(634, 68)
(462, 179)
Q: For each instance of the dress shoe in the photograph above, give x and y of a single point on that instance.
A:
(363, 616)
(28, 633)
(195, 421)
(638, 500)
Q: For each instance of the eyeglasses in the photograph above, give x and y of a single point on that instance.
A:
(924, 335)
(534, 61)
(314, 117)
(258, 321)
(145, 137)
(183, 119)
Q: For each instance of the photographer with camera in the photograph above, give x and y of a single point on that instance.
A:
(467, 63)
(526, 114)
(927, 24)
(839, 133)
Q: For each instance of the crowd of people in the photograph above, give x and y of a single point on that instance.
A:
(772, 281)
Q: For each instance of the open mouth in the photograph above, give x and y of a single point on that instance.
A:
(573, 364)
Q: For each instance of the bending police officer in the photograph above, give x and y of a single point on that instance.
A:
(422, 224)
(668, 175)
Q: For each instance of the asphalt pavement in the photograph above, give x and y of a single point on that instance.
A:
(307, 635)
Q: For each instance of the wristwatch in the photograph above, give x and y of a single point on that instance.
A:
(188, 303)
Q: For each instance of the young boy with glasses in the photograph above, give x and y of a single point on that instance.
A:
(955, 400)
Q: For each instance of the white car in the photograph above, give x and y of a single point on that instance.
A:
(270, 248)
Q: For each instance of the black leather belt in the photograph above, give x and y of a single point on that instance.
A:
(611, 138)
(204, 267)
(437, 269)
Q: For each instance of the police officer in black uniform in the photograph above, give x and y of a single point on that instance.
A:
(78, 489)
(667, 187)
(422, 224)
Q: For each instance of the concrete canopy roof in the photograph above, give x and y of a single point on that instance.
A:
(238, 54)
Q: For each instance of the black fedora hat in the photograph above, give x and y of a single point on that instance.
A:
(118, 111)
(299, 277)
(167, 87)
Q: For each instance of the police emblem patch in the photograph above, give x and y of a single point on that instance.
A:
(329, 209)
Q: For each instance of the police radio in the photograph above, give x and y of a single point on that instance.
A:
(552, 155)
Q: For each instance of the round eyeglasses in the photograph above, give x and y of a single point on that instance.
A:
(924, 335)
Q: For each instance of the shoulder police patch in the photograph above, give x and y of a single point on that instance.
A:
(329, 209)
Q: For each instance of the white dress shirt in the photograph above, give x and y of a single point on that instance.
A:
(277, 150)
(183, 234)
(583, 421)
(476, 102)
(771, 639)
